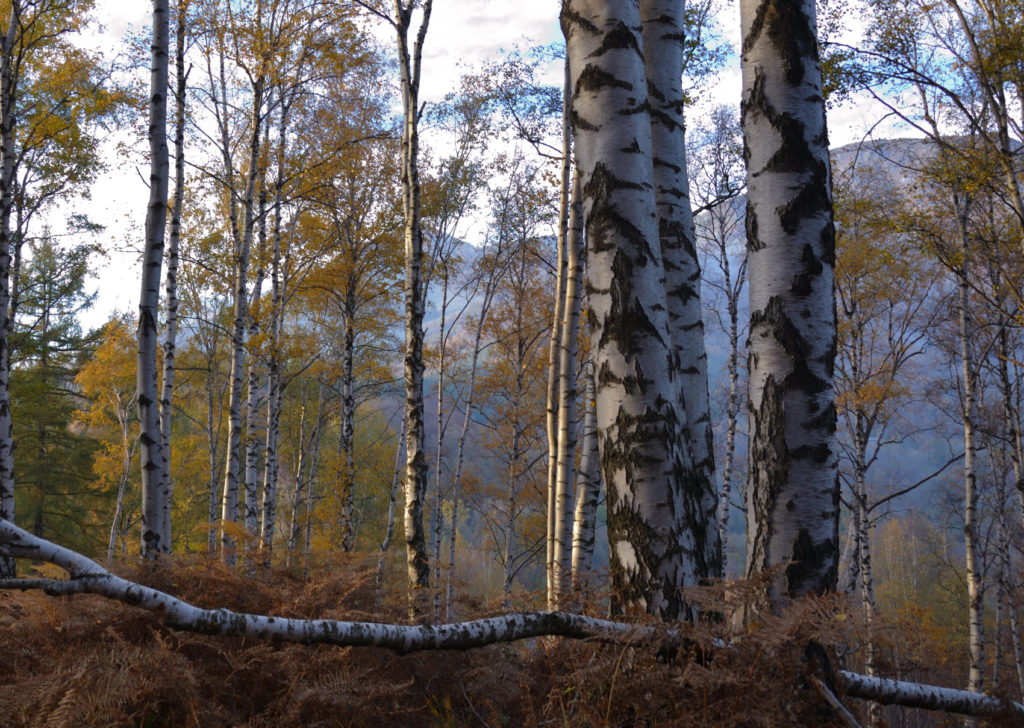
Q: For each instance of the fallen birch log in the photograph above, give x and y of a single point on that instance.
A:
(85, 576)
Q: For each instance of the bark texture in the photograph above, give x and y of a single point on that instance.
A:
(409, 62)
(646, 471)
(156, 535)
(793, 491)
(663, 58)
(8, 87)
(171, 284)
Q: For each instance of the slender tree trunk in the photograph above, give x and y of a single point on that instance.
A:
(229, 512)
(274, 384)
(552, 568)
(663, 57)
(128, 445)
(566, 454)
(8, 87)
(975, 595)
(389, 531)
(300, 472)
(155, 540)
(171, 287)
(213, 442)
(346, 435)
(255, 394)
(438, 518)
(733, 402)
(793, 491)
(416, 457)
(588, 487)
(645, 468)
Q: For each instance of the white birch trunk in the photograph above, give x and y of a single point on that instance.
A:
(7, 130)
(644, 467)
(663, 58)
(975, 594)
(566, 455)
(438, 515)
(588, 486)
(793, 490)
(346, 434)
(243, 245)
(274, 383)
(171, 285)
(561, 266)
(155, 495)
(416, 458)
(389, 531)
(254, 389)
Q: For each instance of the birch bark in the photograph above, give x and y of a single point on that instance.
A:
(8, 87)
(171, 283)
(663, 58)
(409, 62)
(793, 489)
(243, 246)
(155, 538)
(553, 521)
(566, 454)
(588, 486)
(646, 472)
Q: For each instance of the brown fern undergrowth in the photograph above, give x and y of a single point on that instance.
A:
(86, 661)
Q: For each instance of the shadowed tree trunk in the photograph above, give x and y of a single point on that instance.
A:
(793, 490)
(663, 58)
(7, 124)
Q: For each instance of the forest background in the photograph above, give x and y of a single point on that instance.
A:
(322, 336)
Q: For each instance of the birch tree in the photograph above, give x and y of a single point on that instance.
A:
(171, 285)
(647, 473)
(793, 489)
(156, 536)
(410, 64)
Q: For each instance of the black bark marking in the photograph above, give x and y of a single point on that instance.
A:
(803, 283)
(593, 78)
(620, 37)
(571, 19)
(789, 31)
(809, 561)
(605, 224)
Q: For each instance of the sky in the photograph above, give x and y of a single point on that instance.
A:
(462, 34)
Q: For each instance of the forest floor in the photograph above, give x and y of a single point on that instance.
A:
(86, 661)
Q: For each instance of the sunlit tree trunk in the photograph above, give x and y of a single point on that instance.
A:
(171, 286)
(346, 434)
(793, 489)
(553, 569)
(588, 486)
(155, 539)
(972, 536)
(570, 331)
(415, 443)
(243, 246)
(645, 469)
(663, 58)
